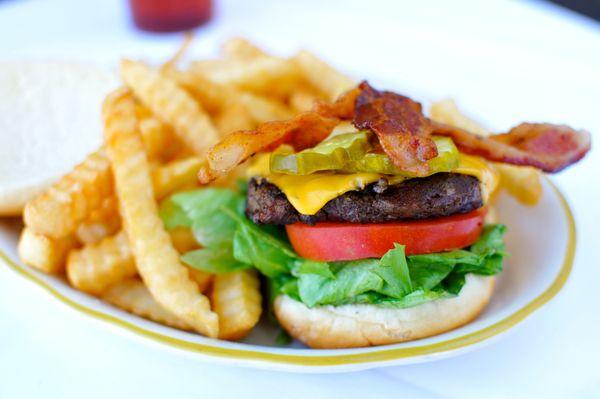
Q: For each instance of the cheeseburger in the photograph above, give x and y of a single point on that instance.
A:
(371, 223)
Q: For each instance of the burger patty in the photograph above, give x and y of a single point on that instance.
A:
(442, 194)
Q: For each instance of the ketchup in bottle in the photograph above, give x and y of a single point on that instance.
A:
(170, 15)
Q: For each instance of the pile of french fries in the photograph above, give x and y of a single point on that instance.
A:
(99, 223)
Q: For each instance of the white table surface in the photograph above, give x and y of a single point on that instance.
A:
(504, 62)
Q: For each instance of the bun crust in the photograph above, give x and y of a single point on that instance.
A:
(350, 326)
(50, 122)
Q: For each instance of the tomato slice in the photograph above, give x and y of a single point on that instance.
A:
(347, 241)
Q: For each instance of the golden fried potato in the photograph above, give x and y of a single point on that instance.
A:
(97, 266)
(132, 296)
(44, 253)
(303, 99)
(168, 178)
(237, 300)
(263, 109)
(105, 220)
(59, 210)
(102, 222)
(447, 111)
(323, 77)
(241, 49)
(212, 96)
(233, 118)
(183, 239)
(172, 104)
(220, 98)
(160, 141)
(157, 261)
(269, 76)
(202, 279)
(522, 182)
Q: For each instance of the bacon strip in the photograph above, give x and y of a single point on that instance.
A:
(545, 146)
(399, 124)
(404, 134)
(304, 131)
(342, 108)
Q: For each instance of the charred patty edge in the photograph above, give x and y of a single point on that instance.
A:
(438, 195)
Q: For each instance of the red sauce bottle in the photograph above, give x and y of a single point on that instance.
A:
(170, 15)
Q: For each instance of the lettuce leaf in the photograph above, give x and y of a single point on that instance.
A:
(214, 260)
(255, 246)
(334, 284)
(202, 211)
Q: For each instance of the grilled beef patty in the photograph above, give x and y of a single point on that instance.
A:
(442, 194)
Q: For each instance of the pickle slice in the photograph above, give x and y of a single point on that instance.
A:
(332, 154)
(446, 160)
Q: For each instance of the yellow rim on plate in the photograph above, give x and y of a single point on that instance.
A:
(329, 359)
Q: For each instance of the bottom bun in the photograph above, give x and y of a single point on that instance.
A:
(351, 326)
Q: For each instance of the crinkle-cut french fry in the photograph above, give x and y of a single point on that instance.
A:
(44, 253)
(132, 296)
(158, 137)
(218, 98)
(92, 232)
(237, 301)
(201, 278)
(59, 210)
(97, 266)
(232, 179)
(269, 76)
(166, 178)
(233, 118)
(170, 177)
(322, 76)
(446, 111)
(183, 239)
(109, 209)
(157, 261)
(242, 49)
(263, 109)
(211, 95)
(522, 182)
(172, 104)
(141, 111)
(160, 140)
(302, 100)
(102, 222)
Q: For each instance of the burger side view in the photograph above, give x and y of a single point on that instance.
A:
(371, 223)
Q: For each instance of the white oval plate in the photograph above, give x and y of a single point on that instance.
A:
(540, 239)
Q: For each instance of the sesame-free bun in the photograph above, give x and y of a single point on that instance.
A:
(351, 326)
(49, 121)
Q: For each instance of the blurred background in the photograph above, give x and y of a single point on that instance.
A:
(503, 61)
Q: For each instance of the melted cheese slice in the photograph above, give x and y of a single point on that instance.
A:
(309, 193)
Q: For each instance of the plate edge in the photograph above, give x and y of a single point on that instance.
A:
(332, 360)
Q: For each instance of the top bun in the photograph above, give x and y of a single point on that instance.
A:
(50, 122)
